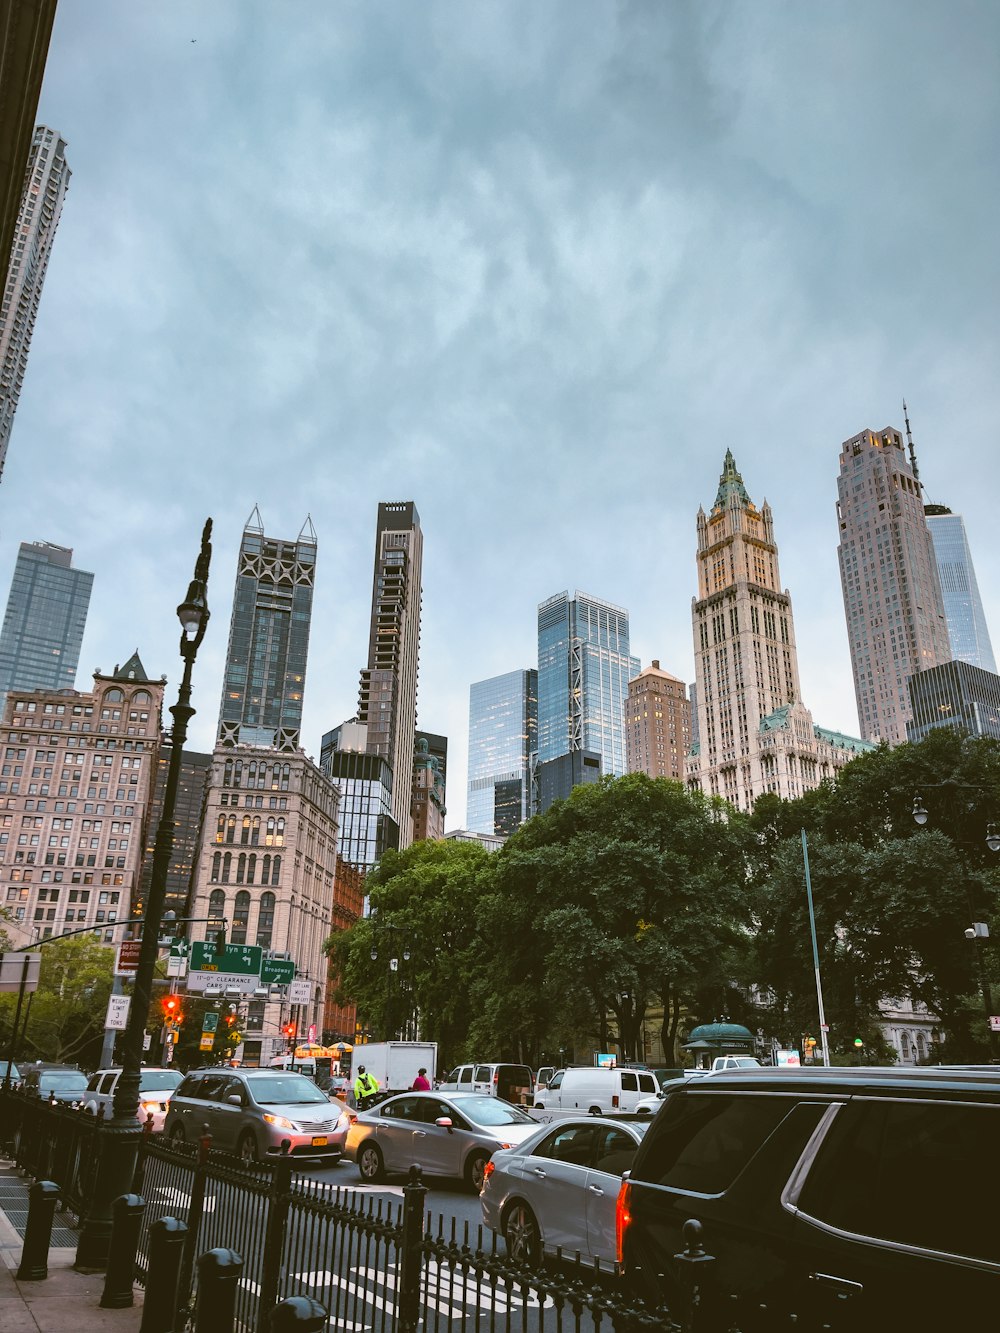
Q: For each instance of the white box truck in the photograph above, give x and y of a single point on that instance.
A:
(395, 1063)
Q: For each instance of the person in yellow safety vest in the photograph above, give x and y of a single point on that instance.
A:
(364, 1085)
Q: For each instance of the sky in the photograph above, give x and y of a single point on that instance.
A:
(535, 268)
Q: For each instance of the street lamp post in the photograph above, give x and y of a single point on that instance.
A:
(118, 1139)
(978, 931)
(394, 961)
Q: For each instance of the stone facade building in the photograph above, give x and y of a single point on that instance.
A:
(657, 724)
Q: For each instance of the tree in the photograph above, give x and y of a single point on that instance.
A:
(68, 1009)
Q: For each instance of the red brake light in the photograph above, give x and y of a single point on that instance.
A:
(614, 1099)
(623, 1217)
(488, 1170)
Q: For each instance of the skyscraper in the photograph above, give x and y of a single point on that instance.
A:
(265, 671)
(584, 667)
(754, 732)
(367, 827)
(427, 799)
(955, 694)
(892, 594)
(387, 702)
(45, 619)
(963, 607)
(45, 185)
(658, 724)
(503, 738)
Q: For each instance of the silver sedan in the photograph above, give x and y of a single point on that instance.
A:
(451, 1135)
(558, 1189)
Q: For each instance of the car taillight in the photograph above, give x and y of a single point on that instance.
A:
(488, 1170)
(622, 1218)
(614, 1100)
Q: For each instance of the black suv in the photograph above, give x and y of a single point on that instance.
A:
(855, 1199)
(60, 1083)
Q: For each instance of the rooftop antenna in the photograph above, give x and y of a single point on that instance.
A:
(913, 452)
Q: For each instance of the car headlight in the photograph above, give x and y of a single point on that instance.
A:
(280, 1122)
(151, 1106)
(344, 1120)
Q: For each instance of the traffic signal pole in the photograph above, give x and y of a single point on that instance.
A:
(824, 1035)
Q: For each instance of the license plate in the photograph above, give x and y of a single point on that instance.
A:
(319, 1142)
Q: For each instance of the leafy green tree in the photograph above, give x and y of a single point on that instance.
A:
(66, 1019)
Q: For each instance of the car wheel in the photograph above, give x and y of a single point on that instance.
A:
(539, 1106)
(595, 1110)
(475, 1171)
(520, 1231)
(177, 1134)
(370, 1166)
(246, 1149)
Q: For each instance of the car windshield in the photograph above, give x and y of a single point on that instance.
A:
(62, 1079)
(492, 1111)
(158, 1080)
(13, 1070)
(286, 1090)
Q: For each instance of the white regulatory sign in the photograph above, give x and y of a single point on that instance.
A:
(300, 991)
(995, 1022)
(117, 1017)
(197, 981)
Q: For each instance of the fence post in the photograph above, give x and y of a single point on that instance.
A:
(693, 1266)
(414, 1192)
(42, 1199)
(298, 1314)
(278, 1199)
(126, 1219)
(166, 1248)
(196, 1209)
(218, 1273)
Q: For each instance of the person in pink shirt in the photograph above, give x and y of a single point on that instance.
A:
(420, 1083)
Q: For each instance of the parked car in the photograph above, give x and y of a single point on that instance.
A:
(725, 1062)
(597, 1091)
(454, 1134)
(511, 1083)
(559, 1188)
(156, 1087)
(856, 1199)
(250, 1112)
(15, 1077)
(61, 1083)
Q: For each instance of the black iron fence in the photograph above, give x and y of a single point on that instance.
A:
(51, 1142)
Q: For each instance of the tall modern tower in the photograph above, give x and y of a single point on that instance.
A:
(45, 619)
(503, 738)
(892, 594)
(387, 702)
(45, 186)
(584, 668)
(755, 734)
(963, 606)
(268, 639)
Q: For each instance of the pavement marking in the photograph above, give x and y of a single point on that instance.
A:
(179, 1198)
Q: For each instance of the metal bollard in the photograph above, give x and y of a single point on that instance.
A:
(126, 1220)
(166, 1248)
(298, 1314)
(218, 1275)
(42, 1199)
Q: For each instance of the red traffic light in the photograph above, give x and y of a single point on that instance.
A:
(289, 1029)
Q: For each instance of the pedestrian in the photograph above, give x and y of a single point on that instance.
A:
(420, 1083)
(365, 1086)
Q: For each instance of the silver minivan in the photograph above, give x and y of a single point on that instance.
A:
(511, 1083)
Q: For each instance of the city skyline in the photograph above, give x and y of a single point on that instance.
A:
(590, 274)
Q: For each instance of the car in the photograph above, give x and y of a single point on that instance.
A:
(558, 1189)
(445, 1134)
(855, 1199)
(50, 1082)
(596, 1090)
(339, 1087)
(15, 1077)
(156, 1087)
(512, 1083)
(250, 1112)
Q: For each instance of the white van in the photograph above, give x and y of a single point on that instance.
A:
(511, 1083)
(596, 1091)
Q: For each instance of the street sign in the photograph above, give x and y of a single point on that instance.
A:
(228, 981)
(209, 1021)
(995, 1022)
(128, 958)
(176, 965)
(117, 1015)
(300, 991)
(180, 948)
(277, 972)
(207, 1041)
(238, 959)
(17, 969)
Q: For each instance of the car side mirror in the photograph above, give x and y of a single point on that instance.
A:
(234, 1099)
(443, 1122)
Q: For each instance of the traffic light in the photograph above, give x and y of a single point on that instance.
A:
(171, 1005)
(289, 1029)
(220, 942)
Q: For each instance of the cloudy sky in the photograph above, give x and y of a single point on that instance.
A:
(533, 266)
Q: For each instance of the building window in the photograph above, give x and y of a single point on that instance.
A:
(241, 917)
(265, 920)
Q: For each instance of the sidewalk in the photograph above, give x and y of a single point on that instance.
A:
(65, 1299)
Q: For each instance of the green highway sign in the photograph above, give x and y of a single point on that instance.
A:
(277, 972)
(209, 1021)
(236, 959)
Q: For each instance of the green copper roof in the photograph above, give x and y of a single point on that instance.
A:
(730, 483)
(843, 742)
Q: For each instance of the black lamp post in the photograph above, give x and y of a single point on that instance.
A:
(978, 931)
(394, 960)
(118, 1140)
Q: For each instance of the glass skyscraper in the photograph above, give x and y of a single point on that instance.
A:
(265, 671)
(367, 828)
(45, 619)
(584, 667)
(963, 606)
(503, 735)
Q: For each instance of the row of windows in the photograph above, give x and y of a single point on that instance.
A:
(274, 832)
(245, 868)
(253, 774)
(241, 915)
